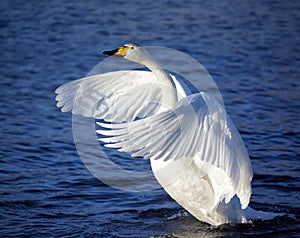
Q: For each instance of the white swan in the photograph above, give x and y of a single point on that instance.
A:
(196, 153)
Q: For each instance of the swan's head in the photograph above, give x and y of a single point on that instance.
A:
(122, 51)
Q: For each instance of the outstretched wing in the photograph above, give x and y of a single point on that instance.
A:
(115, 96)
(197, 127)
(119, 96)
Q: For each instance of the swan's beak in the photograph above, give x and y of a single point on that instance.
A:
(121, 51)
(110, 52)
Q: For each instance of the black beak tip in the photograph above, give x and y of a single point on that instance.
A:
(109, 52)
(105, 52)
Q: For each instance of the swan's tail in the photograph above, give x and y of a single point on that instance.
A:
(235, 214)
(251, 214)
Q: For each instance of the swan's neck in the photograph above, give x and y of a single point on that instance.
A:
(169, 92)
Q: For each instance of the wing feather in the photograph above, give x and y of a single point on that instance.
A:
(118, 96)
(197, 127)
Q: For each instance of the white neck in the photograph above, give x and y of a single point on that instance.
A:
(169, 93)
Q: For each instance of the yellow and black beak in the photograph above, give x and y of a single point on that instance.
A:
(121, 51)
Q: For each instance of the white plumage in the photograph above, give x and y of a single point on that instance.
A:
(196, 153)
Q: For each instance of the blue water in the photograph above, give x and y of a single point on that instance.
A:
(251, 48)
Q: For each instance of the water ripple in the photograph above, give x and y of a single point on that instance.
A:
(250, 48)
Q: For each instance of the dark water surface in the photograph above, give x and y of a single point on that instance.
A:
(250, 47)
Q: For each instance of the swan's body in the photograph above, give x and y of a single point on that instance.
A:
(196, 153)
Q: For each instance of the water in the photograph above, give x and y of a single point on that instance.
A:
(250, 48)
